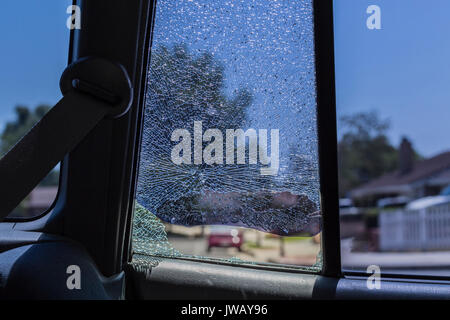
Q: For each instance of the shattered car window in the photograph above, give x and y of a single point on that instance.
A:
(230, 133)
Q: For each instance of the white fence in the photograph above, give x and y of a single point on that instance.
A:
(425, 229)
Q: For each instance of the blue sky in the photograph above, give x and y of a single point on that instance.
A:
(34, 48)
(402, 70)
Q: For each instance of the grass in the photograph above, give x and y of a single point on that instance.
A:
(254, 245)
(299, 238)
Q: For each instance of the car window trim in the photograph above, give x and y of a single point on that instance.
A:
(327, 136)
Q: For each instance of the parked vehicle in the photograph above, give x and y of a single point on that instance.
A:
(422, 203)
(393, 202)
(224, 236)
(346, 207)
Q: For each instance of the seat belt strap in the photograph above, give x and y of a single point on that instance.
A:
(93, 89)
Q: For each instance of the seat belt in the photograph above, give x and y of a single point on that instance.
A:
(92, 88)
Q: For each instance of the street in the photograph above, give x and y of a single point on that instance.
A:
(257, 246)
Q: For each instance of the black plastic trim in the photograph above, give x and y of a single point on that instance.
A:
(326, 119)
(175, 279)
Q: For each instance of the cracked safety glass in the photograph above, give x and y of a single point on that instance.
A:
(228, 163)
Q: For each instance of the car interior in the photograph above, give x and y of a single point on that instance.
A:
(137, 212)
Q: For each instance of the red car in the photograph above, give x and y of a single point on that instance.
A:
(225, 236)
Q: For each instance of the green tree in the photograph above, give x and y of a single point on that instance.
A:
(183, 88)
(365, 152)
(16, 129)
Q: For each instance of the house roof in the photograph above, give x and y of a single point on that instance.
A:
(397, 182)
(442, 178)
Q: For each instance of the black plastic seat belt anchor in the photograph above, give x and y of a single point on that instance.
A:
(98, 92)
(101, 79)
